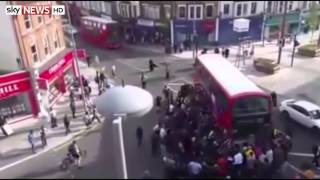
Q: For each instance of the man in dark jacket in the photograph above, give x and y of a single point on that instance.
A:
(66, 124)
(139, 134)
(73, 109)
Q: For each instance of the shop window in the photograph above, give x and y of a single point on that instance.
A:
(182, 11)
(34, 53)
(253, 7)
(239, 7)
(226, 9)
(27, 21)
(245, 9)
(209, 10)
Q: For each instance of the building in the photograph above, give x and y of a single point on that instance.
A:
(195, 19)
(37, 65)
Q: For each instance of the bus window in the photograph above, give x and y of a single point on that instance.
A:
(250, 106)
(104, 27)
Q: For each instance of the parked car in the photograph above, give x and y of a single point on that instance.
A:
(301, 111)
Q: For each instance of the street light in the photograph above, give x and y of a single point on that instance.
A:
(121, 102)
(75, 55)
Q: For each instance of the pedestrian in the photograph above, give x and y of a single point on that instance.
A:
(227, 52)
(97, 78)
(43, 137)
(167, 72)
(53, 118)
(175, 48)
(71, 96)
(158, 103)
(73, 109)
(165, 92)
(31, 141)
(274, 98)
(3, 122)
(139, 135)
(316, 155)
(66, 124)
(102, 78)
(194, 169)
(237, 163)
(143, 80)
(152, 65)
(88, 58)
(86, 119)
(113, 71)
(94, 115)
(252, 51)
(223, 51)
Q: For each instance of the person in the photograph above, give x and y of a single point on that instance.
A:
(113, 71)
(94, 115)
(86, 119)
(31, 141)
(163, 132)
(139, 135)
(97, 78)
(158, 103)
(194, 168)
(75, 152)
(274, 98)
(53, 118)
(143, 81)
(152, 65)
(88, 60)
(237, 163)
(316, 155)
(167, 72)
(43, 137)
(165, 92)
(102, 78)
(252, 51)
(2, 123)
(73, 109)
(175, 48)
(71, 96)
(227, 52)
(66, 123)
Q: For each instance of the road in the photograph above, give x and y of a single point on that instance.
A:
(99, 161)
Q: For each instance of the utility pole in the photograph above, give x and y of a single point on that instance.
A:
(282, 39)
(264, 22)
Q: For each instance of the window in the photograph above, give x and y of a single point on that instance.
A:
(269, 6)
(250, 106)
(182, 11)
(254, 8)
(56, 40)
(46, 45)
(27, 21)
(226, 9)
(135, 11)
(290, 5)
(239, 7)
(195, 11)
(300, 110)
(124, 10)
(245, 9)
(304, 4)
(40, 19)
(280, 6)
(209, 11)
(167, 11)
(152, 12)
(315, 114)
(34, 53)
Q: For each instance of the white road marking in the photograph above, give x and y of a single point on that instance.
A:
(175, 84)
(301, 154)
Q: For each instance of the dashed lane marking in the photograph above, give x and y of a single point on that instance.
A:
(301, 154)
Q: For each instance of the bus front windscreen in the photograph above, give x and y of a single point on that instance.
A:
(114, 35)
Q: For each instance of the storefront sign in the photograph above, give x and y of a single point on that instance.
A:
(144, 22)
(14, 83)
(208, 26)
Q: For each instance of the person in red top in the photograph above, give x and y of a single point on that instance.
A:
(223, 167)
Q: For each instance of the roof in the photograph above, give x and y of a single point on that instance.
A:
(307, 105)
(98, 19)
(230, 78)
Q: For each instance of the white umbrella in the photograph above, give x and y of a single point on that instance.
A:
(128, 100)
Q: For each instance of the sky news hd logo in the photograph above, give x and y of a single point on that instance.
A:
(35, 10)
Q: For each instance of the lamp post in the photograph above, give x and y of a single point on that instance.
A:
(75, 55)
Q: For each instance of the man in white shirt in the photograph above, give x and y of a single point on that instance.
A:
(194, 168)
(163, 132)
(269, 156)
(237, 163)
(113, 71)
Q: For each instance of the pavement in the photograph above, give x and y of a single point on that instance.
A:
(130, 62)
(20, 150)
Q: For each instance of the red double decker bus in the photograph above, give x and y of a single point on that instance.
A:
(99, 31)
(239, 105)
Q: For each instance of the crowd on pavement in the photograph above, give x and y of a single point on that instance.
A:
(191, 144)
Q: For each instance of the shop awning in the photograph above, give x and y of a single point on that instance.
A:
(275, 20)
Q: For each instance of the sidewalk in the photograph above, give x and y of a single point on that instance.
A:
(16, 146)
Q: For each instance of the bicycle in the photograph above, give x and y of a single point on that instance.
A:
(69, 161)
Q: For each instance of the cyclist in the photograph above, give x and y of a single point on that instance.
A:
(74, 151)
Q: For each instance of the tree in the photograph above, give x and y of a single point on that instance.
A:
(312, 20)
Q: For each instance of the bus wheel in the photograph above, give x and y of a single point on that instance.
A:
(284, 115)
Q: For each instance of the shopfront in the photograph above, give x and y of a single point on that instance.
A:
(206, 32)
(183, 30)
(55, 80)
(16, 96)
(273, 25)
